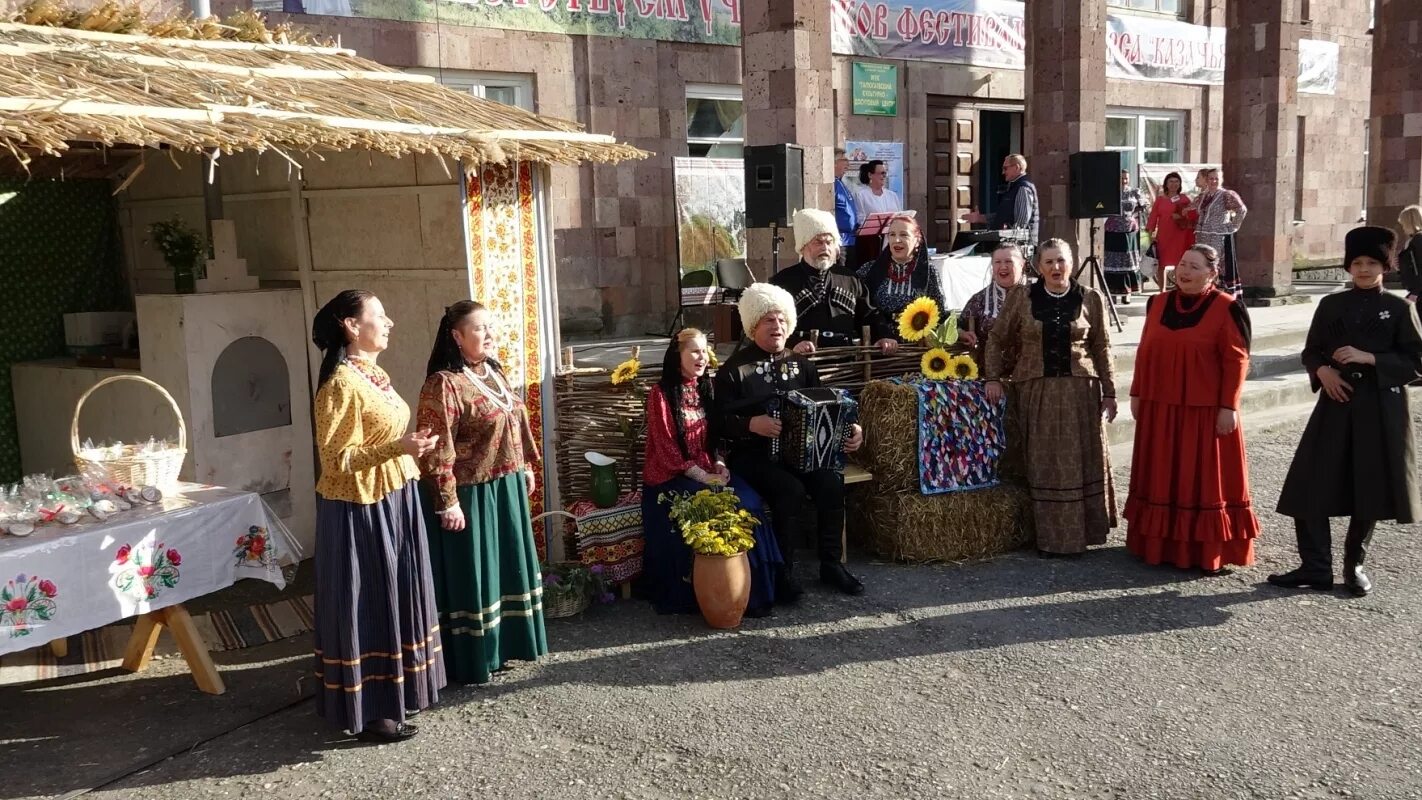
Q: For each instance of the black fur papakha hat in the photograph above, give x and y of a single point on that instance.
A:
(1373, 242)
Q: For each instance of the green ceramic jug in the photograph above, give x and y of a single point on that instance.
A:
(605, 490)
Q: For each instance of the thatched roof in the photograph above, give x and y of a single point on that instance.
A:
(60, 86)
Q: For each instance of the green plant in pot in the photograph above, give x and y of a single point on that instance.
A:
(184, 251)
(719, 532)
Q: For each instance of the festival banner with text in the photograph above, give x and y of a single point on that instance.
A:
(992, 33)
(704, 21)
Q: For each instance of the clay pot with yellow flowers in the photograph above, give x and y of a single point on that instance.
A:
(719, 532)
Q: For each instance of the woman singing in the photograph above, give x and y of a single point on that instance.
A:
(377, 638)
(477, 481)
(681, 457)
(901, 274)
(1051, 342)
(1189, 499)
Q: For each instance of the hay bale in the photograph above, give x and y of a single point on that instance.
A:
(888, 412)
(908, 526)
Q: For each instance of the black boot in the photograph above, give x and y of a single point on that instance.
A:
(834, 574)
(787, 589)
(1316, 552)
(1355, 551)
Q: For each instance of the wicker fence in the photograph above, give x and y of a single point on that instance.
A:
(595, 415)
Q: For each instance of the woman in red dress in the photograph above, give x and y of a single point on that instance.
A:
(1189, 499)
(1170, 229)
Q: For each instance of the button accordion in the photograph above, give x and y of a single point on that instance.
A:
(815, 425)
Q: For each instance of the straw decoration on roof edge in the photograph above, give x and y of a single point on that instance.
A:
(60, 86)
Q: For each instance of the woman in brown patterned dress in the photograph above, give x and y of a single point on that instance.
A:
(1051, 342)
(476, 486)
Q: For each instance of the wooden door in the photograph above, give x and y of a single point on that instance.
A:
(953, 154)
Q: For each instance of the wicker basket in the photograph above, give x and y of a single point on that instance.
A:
(565, 605)
(133, 467)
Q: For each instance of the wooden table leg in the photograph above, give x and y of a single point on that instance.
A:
(194, 650)
(141, 643)
(60, 647)
(145, 637)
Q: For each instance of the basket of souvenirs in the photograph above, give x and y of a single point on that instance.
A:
(151, 463)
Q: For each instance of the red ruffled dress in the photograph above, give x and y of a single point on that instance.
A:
(1189, 499)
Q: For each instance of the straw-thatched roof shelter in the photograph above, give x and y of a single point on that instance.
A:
(60, 87)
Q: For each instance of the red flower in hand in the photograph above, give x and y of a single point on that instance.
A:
(121, 557)
(259, 546)
(48, 589)
(175, 558)
(145, 571)
(17, 605)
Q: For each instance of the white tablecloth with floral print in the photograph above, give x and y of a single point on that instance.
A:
(61, 581)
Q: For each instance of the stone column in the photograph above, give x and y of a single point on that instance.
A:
(787, 65)
(1066, 105)
(1395, 129)
(1261, 139)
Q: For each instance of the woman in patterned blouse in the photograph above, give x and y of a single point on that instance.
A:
(376, 633)
(1122, 264)
(681, 457)
(1218, 214)
(477, 481)
(901, 274)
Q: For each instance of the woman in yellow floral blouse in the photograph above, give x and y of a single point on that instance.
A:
(377, 637)
(476, 485)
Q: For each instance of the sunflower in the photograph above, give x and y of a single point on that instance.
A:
(711, 360)
(625, 372)
(918, 319)
(963, 368)
(936, 363)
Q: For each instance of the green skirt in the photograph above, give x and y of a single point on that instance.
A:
(487, 583)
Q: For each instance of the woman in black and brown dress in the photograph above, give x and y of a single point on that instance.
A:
(1051, 342)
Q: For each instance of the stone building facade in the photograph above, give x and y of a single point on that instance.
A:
(615, 226)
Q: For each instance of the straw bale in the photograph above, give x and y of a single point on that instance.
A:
(889, 415)
(908, 526)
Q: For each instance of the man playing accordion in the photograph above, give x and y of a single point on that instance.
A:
(750, 389)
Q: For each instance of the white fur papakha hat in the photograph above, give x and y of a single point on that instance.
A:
(760, 299)
(811, 222)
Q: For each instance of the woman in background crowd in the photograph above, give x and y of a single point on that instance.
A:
(1170, 229)
(1217, 214)
(1122, 264)
(874, 195)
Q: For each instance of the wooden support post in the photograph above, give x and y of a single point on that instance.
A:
(142, 641)
(866, 333)
(194, 650)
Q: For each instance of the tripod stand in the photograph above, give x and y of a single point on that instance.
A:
(1092, 263)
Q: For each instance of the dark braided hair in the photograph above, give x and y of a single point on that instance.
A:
(445, 355)
(671, 383)
(328, 330)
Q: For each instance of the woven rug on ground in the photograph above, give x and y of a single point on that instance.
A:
(611, 537)
(960, 437)
(101, 649)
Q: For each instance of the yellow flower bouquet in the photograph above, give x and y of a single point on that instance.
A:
(712, 522)
(919, 323)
